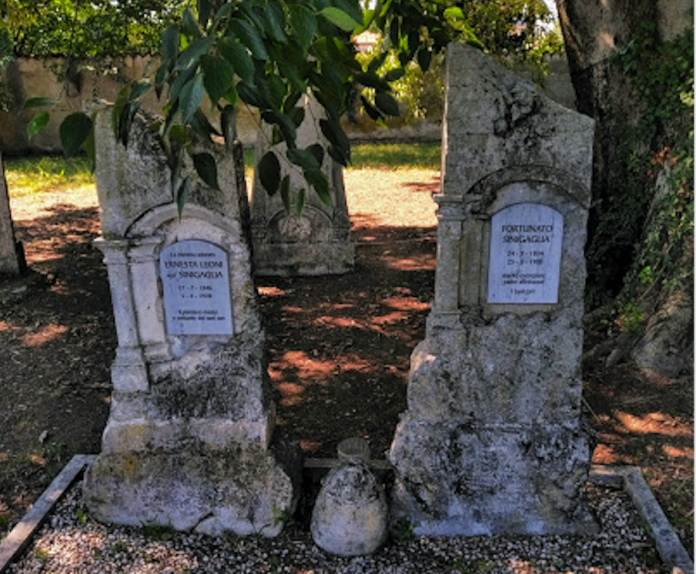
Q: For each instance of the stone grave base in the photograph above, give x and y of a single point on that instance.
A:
(242, 491)
(466, 480)
(303, 259)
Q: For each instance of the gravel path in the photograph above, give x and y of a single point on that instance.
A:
(73, 543)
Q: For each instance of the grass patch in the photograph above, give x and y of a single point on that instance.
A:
(382, 156)
(396, 156)
(36, 174)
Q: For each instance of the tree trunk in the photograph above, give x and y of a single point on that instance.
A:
(594, 30)
(623, 57)
(11, 254)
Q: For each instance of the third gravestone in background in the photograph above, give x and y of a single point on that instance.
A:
(493, 441)
(316, 242)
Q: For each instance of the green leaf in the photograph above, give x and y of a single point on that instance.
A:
(179, 82)
(376, 63)
(191, 98)
(340, 142)
(277, 90)
(228, 123)
(370, 110)
(371, 80)
(304, 158)
(387, 104)
(38, 103)
(191, 56)
(275, 22)
(182, 195)
(90, 149)
(269, 172)
(38, 123)
(300, 201)
(395, 74)
(204, 12)
(285, 192)
(177, 133)
(160, 78)
(304, 24)
(222, 13)
(318, 152)
(238, 56)
(250, 37)
(297, 116)
(424, 57)
(139, 89)
(218, 76)
(117, 110)
(170, 46)
(285, 125)
(202, 126)
(352, 8)
(190, 25)
(74, 131)
(340, 18)
(249, 95)
(318, 180)
(454, 12)
(206, 168)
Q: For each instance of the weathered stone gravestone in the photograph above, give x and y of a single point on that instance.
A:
(317, 242)
(187, 441)
(492, 441)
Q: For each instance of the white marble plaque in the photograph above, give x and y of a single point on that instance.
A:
(525, 254)
(196, 289)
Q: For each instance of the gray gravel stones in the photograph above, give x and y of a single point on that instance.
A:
(71, 542)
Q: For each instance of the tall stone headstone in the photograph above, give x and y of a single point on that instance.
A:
(317, 242)
(187, 440)
(492, 441)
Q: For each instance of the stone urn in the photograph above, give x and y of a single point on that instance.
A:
(350, 516)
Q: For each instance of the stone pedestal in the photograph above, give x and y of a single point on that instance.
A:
(317, 242)
(187, 441)
(493, 441)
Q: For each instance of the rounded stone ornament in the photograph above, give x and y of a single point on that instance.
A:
(350, 514)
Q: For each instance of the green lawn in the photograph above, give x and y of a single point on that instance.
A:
(35, 174)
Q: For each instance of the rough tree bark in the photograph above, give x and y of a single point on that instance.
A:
(625, 206)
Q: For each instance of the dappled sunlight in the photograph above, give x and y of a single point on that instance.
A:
(304, 366)
(270, 291)
(310, 371)
(340, 322)
(76, 550)
(30, 207)
(406, 304)
(407, 195)
(415, 263)
(652, 423)
(5, 326)
(292, 309)
(605, 454)
(674, 452)
(44, 335)
(389, 319)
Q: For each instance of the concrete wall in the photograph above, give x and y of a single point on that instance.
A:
(26, 78)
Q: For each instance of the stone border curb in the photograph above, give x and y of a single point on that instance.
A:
(20, 536)
(630, 478)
